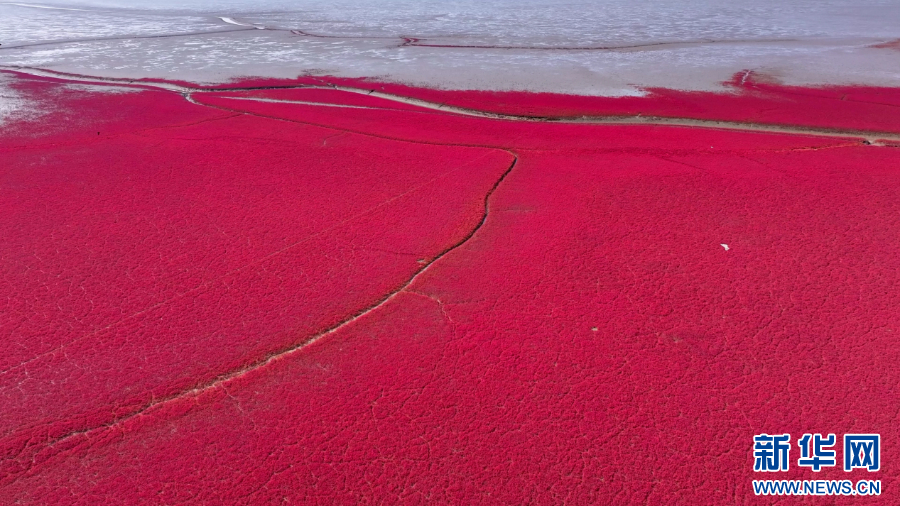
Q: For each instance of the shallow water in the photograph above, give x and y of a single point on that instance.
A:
(608, 47)
(12, 104)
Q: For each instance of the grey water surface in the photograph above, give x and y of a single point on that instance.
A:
(603, 47)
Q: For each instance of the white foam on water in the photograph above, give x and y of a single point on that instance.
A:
(232, 21)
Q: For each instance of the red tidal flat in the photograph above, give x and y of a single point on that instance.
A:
(582, 336)
(143, 264)
(322, 96)
(752, 99)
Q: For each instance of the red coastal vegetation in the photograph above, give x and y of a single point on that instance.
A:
(228, 300)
